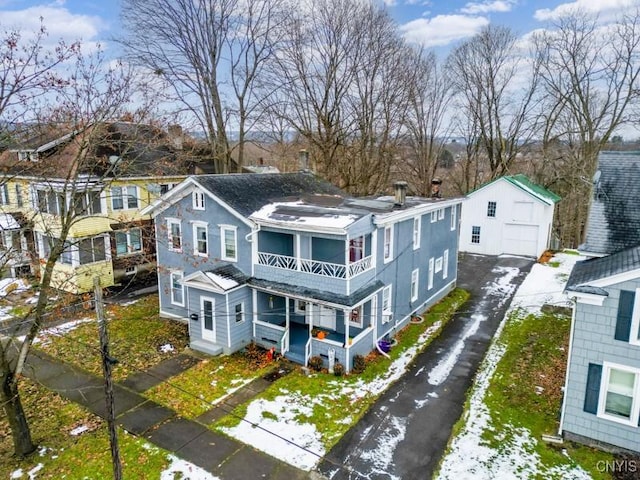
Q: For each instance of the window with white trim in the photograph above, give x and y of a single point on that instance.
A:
(4, 194)
(300, 307)
(124, 198)
(387, 314)
(454, 209)
(92, 250)
(200, 239)
(197, 199)
(445, 267)
(50, 201)
(388, 243)
(87, 203)
(416, 232)
(177, 289)
(128, 241)
(355, 317)
(441, 214)
(438, 264)
(174, 230)
(434, 216)
(475, 234)
(619, 398)
(229, 239)
(415, 275)
(239, 312)
(491, 209)
(430, 279)
(356, 249)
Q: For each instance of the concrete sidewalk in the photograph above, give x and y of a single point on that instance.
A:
(190, 440)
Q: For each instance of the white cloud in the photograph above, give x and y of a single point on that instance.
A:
(60, 23)
(442, 29)
(390, 3)
(589, 6)
(487, 6)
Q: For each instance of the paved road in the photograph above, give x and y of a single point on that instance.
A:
(405, 433)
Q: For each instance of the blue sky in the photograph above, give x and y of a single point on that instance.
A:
(438, 24)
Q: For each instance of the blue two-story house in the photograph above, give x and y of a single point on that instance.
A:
(291, 262)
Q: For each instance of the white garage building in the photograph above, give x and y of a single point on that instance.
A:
(510, 215)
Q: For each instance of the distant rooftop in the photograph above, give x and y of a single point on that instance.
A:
(593, 269)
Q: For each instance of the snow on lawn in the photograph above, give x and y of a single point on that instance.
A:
(469, 455)
(11, 285)
(182, 469)
(300, 444)
(60, 330)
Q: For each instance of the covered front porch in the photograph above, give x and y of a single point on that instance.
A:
(301, 327)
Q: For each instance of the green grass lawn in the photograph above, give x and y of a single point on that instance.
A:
(339, 402)
(136, 334)
(62, 455)
(525, 391)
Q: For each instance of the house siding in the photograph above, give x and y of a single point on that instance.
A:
(593, 342)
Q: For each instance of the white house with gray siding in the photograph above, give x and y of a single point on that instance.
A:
(601, 403)
(276, 258)
(509, 215)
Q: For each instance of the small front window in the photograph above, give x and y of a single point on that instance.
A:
(201, 241)
(177, 289)
(239, 312)
(174, 228)
(229, 243)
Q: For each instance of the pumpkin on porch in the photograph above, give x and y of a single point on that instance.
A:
(321, 335)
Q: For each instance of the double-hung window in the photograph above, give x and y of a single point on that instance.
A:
(453, 216)
(388, 243)
(197, 200)
(239, 312)
(124, 198)
(87, 203)
(4, 194)
(416, 232)
(200, 239)
(434, 216)
(441, 214)
(386, 304)
(414, 284)
(475, 234)
(174, 230)
(128, 241)
(177, 289)
(92, 250)
(229, 247)
(356, 249)
(619, 398)
(491, 209)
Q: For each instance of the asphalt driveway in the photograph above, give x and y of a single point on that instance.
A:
(405, 433)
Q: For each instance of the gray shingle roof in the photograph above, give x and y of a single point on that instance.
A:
(614, 215)
(346, 300)
(598, 268)
(247, 193)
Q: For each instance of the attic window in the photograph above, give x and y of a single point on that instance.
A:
(198, 200)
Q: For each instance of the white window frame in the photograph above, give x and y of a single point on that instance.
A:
(356, 313)
(196, 240)
(445, 267)
(434, 216)
(223, 245)
(478, 234)
(387, 313)
(602, 399)
(127, 233)
(415, 278)
(417, 227)
(125, 197)
(438, 264)
(180, 275)
(634, 334)
(430, 279)
(197, 200)
(171, 246)
(241, 313)
(387, 244)
(454, 209)
(492, 207)
(300, 307)
(441, 214)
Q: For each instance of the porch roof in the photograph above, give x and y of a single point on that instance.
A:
(320, 295)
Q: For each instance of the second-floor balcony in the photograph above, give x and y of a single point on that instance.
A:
(317, 267)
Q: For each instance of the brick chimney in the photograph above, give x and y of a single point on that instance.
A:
(175, 136)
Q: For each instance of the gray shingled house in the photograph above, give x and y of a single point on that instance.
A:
(291, 262)
(601, 404)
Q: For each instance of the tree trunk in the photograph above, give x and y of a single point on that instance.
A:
(10, 398)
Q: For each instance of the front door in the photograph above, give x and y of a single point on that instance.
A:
(208, 322)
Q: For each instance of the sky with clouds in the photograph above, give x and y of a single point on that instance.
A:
(437, 24)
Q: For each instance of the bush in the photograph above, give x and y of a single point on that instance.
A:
(338, 369)
(359, 363)
(316, 363)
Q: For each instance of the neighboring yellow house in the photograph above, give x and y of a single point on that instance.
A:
(92, 183)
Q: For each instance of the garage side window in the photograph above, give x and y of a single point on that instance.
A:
(491, 209)
(475, 234)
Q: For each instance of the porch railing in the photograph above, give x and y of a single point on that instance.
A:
(284, 342)
(316, 267)
(307, 351)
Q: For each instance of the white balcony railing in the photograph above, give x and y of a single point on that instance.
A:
(316, 267)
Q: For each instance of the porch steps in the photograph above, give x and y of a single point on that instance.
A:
(206, 347)
(295, 354)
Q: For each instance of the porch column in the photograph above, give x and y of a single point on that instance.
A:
(297, 252)
(347, 315)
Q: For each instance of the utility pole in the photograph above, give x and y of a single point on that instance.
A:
(107, 363)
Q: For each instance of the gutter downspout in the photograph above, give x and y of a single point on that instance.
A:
(566, 378)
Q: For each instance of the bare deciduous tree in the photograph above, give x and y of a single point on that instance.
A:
(485, 70)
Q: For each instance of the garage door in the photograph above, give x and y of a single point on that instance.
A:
(520, 240)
